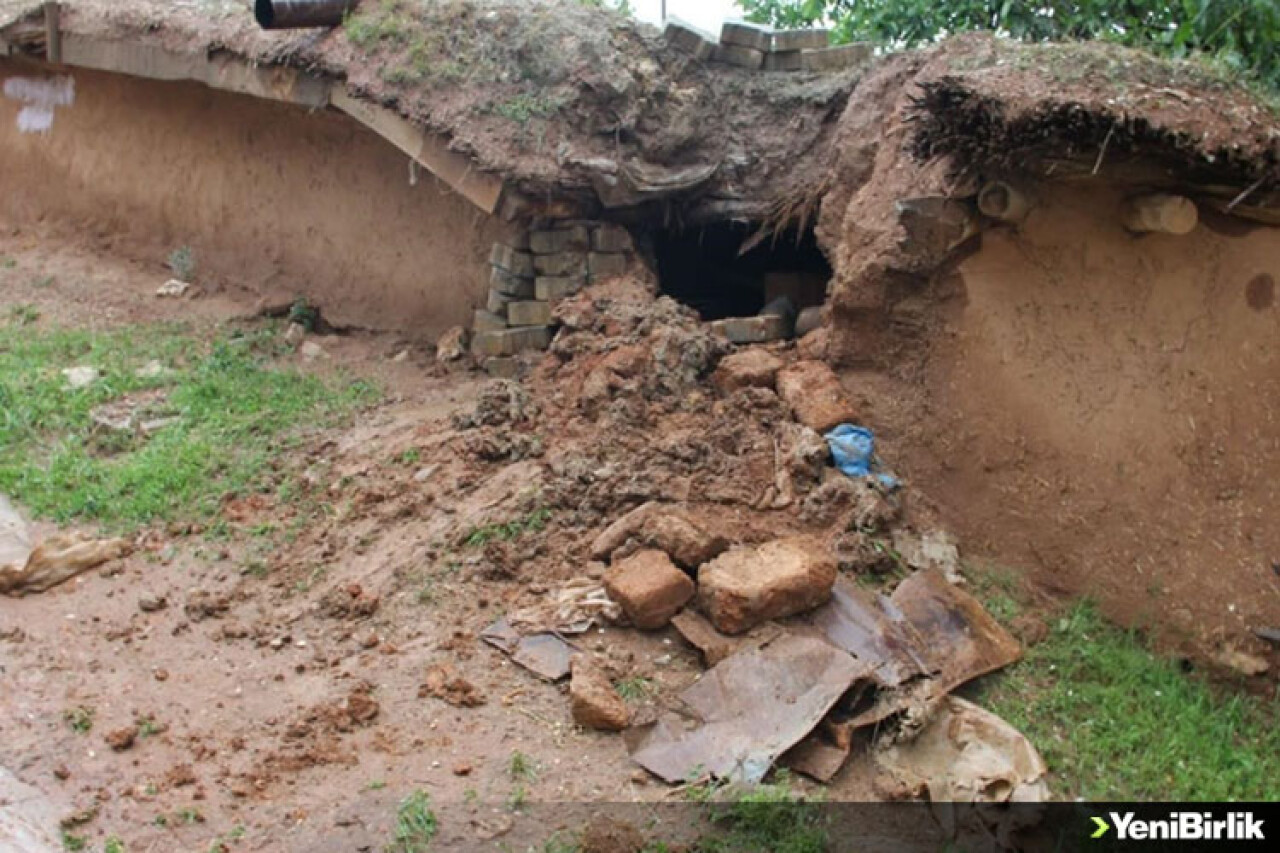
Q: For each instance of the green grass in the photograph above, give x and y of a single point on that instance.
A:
(80, 719)
(236, 413)
(635, 689)
(1115, 721)
(507, 531)
(764, 817)
(415, 825)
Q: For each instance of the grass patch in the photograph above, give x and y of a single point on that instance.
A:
(635, 689)
(1116, 722)
(231, 413)
(507, 531)
(762, 817)
(415, 825)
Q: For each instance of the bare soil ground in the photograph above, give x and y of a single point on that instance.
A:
(284, 685)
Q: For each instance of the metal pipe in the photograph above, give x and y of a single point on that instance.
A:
(296, 14)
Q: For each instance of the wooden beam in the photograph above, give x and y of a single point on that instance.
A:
(227, 73)
(482, 189)
(53, 32)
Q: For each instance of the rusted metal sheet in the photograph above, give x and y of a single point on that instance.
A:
(873, 630)
(546, 655)
(955, 634)
(746, 711)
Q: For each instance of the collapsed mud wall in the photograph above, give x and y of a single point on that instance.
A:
(271, 197)
(1095, 407)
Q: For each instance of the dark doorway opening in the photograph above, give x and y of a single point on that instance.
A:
(706, 269)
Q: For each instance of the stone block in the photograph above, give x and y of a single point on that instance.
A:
(512, 260)
(562, 263)
(650, 588)
(752, 368)
(498, 301)
(792, 40)
(512, 285)
(606, 265)
(690, 39)
(742, 34)
(487, 321)
(612, 238)
(742, 57)
(752, 330)
(810, 319)
(510, 341)
(815, 395)
(746, 586)
(550, 288)
(557, 240)
(502, 367)
(787, 61)
(529, 313)
(837, 58)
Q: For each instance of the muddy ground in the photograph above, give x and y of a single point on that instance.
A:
(287, 700)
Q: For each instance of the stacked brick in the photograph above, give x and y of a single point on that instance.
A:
(530, 275)
(759, 47)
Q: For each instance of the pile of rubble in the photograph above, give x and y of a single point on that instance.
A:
(700, 476)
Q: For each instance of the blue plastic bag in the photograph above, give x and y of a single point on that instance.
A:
(854, 450)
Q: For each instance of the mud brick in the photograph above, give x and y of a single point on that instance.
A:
(689, 38)
(789, 40)
(558, 240)
(529, 313)
(611, 238)
(510, 341)
(512, 260)
(836, 58)
(650, 588)
(752, 330)
(564, 263)
(743, 57)
(788, 61)
(550, 288)
(498, 302)
(742, 34)
(512, 285)
(752, 368)
(605, 264)
(502, 367)
(746, 586)
(487, 321)
(815, 395)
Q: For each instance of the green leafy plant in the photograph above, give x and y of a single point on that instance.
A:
(1241, 34)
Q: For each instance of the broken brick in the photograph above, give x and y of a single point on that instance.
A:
(650, 588)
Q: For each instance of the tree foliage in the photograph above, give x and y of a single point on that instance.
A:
(1243, 34)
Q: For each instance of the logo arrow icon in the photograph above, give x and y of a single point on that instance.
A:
(1102, 825)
